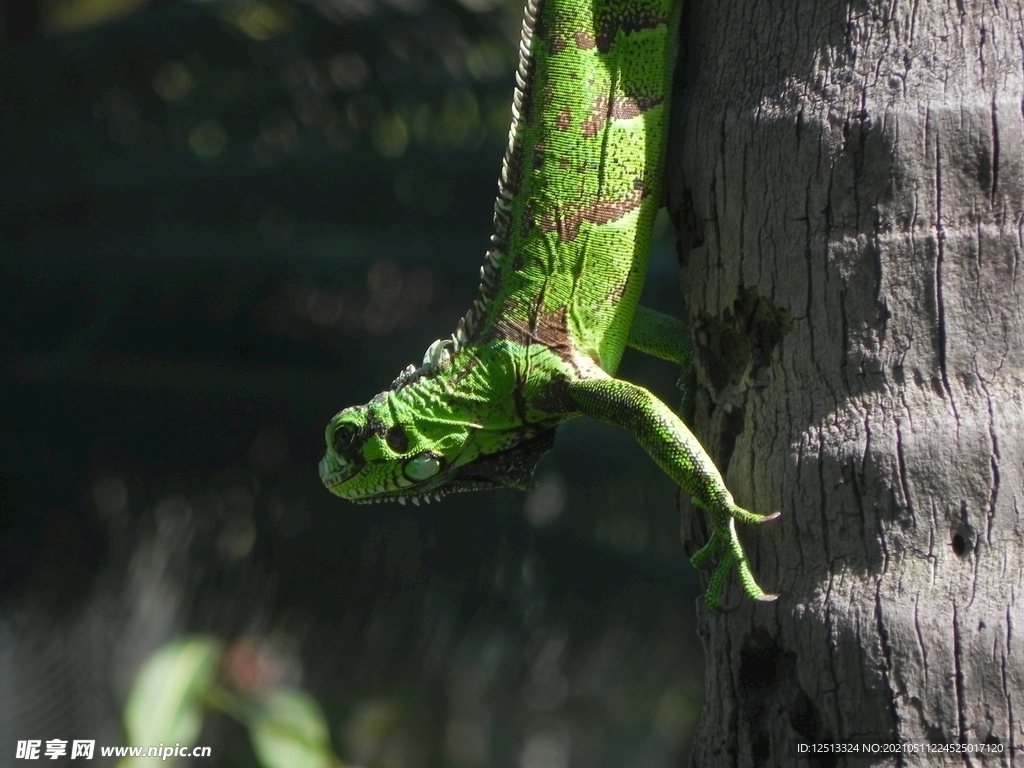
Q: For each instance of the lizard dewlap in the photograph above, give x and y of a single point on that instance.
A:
(559, 290)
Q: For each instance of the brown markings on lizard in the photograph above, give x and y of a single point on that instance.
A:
(463, 373)
(525, 225)
(547, 328)
(610, 22)
(564, 119)
(568, 219)
(585, 41)
(598, 114)
(621, 108)
(550, 329)
(538, 153)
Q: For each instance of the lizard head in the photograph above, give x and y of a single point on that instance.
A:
(387, 450)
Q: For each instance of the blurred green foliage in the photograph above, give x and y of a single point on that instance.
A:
(165, 705)
(179, 681)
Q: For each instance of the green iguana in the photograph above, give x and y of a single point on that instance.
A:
(559, 291)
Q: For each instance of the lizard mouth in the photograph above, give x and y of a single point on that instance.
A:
(402, 496)
(382, 493)
(511, 468)
(331, 475)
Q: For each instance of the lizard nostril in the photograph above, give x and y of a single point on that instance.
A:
(396, 439)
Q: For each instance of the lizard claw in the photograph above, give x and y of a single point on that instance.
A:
(734, 606)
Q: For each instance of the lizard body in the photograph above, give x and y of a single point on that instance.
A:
(558, 299)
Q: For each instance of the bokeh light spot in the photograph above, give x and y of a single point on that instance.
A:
(173, 82)
(208, 139)
(390, 136)
(348, 71)
(545, 503)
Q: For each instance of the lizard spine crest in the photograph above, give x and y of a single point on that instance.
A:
(442, 350)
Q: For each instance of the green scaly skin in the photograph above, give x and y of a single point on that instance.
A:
(559, 292)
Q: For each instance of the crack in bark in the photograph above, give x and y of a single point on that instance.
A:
(830, 634)
(920, 641)
(995, 150)
(1012, 746)
(901, 464)
(883, 639)
(741, 224)
(993, 461)
(940, 253)
(958, 682)
(844, 331)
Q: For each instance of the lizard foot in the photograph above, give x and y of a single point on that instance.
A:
(725, 540)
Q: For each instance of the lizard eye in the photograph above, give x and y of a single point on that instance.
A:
(396, 439)
(344, 438)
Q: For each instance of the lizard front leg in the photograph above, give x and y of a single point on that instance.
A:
(674, 448)
(660, 335)
(667, 338)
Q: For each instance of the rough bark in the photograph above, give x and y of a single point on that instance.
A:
(849, 178)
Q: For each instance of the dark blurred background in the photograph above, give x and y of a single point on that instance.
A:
(222, 221)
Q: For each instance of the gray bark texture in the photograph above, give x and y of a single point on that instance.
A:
(848, 183)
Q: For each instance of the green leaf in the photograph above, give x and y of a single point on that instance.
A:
(164, 704)
(290, 731)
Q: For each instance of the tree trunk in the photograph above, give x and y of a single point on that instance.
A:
(849, 180)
